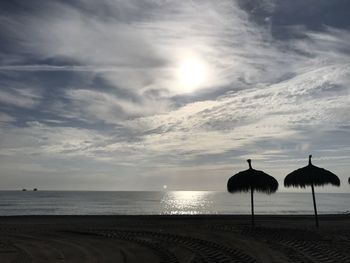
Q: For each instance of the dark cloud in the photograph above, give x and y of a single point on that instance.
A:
(284, 17)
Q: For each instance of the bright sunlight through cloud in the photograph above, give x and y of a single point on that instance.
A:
(191, 74)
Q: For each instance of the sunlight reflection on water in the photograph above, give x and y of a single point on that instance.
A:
(173, 203)
(186, 202)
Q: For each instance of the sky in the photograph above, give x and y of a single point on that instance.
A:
(154, 94)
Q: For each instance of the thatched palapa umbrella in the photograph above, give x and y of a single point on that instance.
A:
(311, 175)
(252, 180)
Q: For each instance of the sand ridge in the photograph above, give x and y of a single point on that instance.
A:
(174, 239)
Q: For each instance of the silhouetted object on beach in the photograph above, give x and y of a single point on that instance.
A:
(349, 180)
(35, 189)
(24, 189)
(252, 180)
(311, 175)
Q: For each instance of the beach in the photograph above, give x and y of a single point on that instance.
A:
(169, 238)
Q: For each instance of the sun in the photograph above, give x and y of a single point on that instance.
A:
(191, 74)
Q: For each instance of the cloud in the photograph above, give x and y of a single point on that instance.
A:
(34, 68)
(101, 83)
(148, 49)
(101, 106)
(40, 139)
(5, 118)
(20, 97)
(141, 52)
(280, 112)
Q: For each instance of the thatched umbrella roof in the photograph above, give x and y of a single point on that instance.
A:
(252, 180)
(311, 174)
(249, 179)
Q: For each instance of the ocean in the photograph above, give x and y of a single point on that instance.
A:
(170, 202)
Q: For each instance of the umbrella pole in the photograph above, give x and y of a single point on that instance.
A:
(313, 198)
(252, 203)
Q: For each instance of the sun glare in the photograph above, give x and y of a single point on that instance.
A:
(191, 74)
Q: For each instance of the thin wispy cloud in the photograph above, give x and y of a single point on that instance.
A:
(63, 68)
(20, 96)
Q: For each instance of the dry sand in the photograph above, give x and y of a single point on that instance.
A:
(174, 239)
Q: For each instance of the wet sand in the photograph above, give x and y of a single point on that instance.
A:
(174, 239)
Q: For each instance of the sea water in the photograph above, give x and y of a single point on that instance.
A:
(170, 202)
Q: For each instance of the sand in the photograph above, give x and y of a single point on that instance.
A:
(174, 239)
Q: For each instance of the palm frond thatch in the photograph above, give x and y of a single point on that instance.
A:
(252, 180)
(310, 174)
(246, 180)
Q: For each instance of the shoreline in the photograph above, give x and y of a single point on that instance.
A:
(183, 216)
